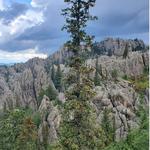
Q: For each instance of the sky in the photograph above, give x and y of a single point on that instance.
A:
(32, 28)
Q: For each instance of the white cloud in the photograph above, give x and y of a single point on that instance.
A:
(1, 5)
(40, 3)
(23, 22)
(20, 56)
(17, 26)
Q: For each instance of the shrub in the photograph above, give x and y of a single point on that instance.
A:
(17, 131)
(49, 92)
(125, 77)
(37, 119)
(114, 74)
(146, 70)
(141, 83)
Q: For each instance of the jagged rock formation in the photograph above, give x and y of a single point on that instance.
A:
(21, 84)
(122, 101)
(50, 121)
(132, 66)
(117, 46)
(109, 46)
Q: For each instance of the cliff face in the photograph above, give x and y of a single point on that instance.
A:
(109, 46)
(117, 46)
(21, 84)
(132, 66)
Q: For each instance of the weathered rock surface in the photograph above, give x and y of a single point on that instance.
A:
(113, 46)
(131, 66)
(122, 102)
(116, 46)
(50, 121)
(22, 83)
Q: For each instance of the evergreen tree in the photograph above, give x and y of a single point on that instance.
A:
(17, 132)
(27, 138)
(58, 79)
(96, 78)
(126, 52)
(53, 74)
(78, 129)
(108, 127)
(110, 53)
(49, 92)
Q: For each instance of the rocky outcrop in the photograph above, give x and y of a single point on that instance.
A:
(116, 46)
(122, 102)
(22, 83)
(50, 121)
(109, 46)
(132, 66)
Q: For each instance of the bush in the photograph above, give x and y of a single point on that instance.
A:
(17, 131)
(141, 83)
(146, 70)
(125, 77)
(49, 92)
(37, 119)
(114, 74)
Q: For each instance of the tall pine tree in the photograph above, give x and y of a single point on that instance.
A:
(58, 78)
(78, 129)
(126, 52)
(53, 74)
(97, 78)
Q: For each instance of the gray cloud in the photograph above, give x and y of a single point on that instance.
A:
(12, 12)
(116, 18)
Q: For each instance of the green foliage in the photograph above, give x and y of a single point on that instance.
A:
(141, 83)
(40, 97)
(114, 74)
(97, 78)
(125, 77)
(110, 53)
(45, 136)
(49, 92)
(57, 102)
(15, 131)
(108, 128)
(126, 51)
(79, 130)
(136, 140)
(96, 50)
(58, 78)
(146, 70)
(142, 113)
(36, 117)
(27, 138)
(9, 129)
(53, 74)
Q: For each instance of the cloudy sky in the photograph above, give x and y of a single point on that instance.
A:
(32, 28)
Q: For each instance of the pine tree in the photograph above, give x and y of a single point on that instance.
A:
(27, 138)
(96, 78)
(110, 53)
(53, 74)
(108, 127)
(58, 78)
(78, 129)
(126, 52)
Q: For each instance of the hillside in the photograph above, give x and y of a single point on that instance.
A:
(119, 90)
